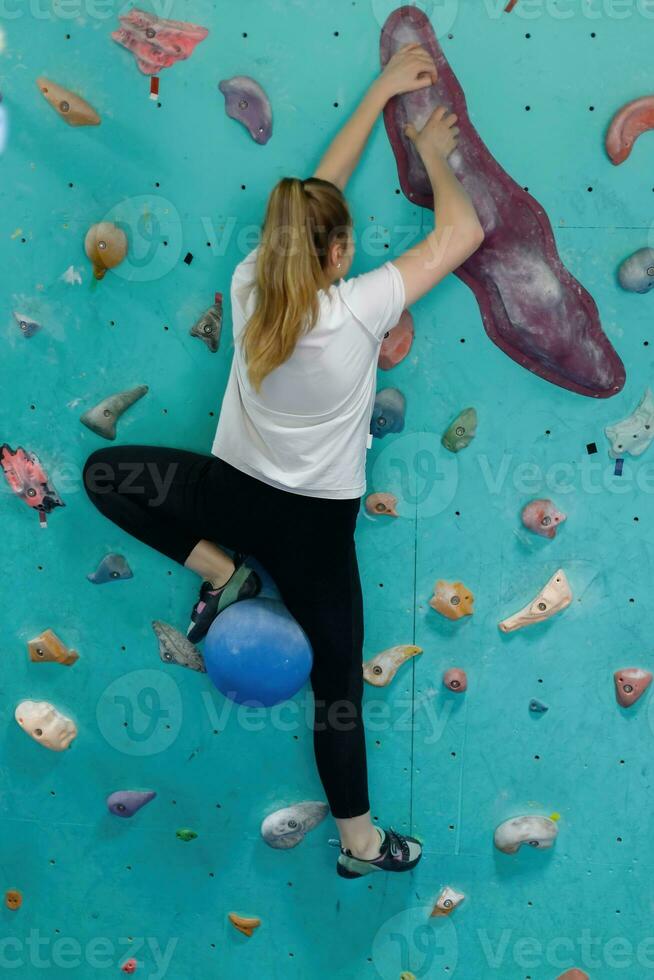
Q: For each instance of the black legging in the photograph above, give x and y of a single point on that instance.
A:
(171, 499)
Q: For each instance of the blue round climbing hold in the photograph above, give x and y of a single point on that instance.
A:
(256, 653)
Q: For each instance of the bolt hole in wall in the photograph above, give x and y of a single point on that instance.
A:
(129, 719)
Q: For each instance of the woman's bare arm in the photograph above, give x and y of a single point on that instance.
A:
(410, 69)
(458, 232)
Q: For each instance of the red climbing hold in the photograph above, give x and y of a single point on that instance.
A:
(129, 966)
(532, 307)
(630, 685)
(28, 479)
(510, 5)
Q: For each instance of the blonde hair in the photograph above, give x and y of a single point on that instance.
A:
(303, 220)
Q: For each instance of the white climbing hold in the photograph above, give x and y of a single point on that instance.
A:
(45, 724)
(536, 831)
(635, 432)
(554, 597)
(447, 901)
(288, 827)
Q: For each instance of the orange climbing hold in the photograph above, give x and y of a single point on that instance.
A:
(48, 648)
(629, 122)
(106, 246)
(72, 108)
(243, 924)
(573, 974)
(452, 599)
(13, 899)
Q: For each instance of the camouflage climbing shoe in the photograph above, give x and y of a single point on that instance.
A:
(244, 584)
(398, 853)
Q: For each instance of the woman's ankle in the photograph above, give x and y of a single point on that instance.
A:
(367, 847)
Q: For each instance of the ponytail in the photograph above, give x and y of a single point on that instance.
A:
(303, 219)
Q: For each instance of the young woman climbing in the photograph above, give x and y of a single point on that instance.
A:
(287, 469)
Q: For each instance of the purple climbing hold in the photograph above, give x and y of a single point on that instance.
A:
(247, 102)
(126, 802)
(111, 569)
(388, 412)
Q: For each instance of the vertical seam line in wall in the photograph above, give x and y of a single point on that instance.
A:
(457, 845)
(413, 676)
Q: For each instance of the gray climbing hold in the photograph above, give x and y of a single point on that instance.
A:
(287, 828)
(112, 568)
(174, 648)
(209, 326)
(28, 326)
(102, 418)
(636, 274)
(538, 707)
(388, 412)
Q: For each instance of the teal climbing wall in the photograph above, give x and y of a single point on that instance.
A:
(542, 83)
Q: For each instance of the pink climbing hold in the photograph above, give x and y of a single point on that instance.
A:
(129, 966)
(573, 974)
(629, 122)
(630, 685)
(542, 517)
(155, 42)
(532, 307)
(455, 680)
(397, 342)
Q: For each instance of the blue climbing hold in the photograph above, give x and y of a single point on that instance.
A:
(257, 654)
(538, 707)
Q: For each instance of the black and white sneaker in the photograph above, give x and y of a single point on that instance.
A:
(397, 853)
(243, 584)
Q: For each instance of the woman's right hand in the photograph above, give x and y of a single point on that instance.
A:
(440, 133)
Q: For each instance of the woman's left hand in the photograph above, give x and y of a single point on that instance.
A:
(411, 68)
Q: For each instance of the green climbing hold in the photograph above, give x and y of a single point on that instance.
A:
(461, 431)
(185, 834)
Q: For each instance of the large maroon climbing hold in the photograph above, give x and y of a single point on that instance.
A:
(155, 42)
(629, 122)
(630, 685)
(397, 342)
(532, 307)
(28, 479)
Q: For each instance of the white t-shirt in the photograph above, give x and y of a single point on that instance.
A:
(306, 430)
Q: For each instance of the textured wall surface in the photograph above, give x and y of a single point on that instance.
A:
(542, 83)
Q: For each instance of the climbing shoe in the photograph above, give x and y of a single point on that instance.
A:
(397, 853)
(243, 584)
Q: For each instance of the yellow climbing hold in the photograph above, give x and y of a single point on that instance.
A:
(407, 976)
(555, 816)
